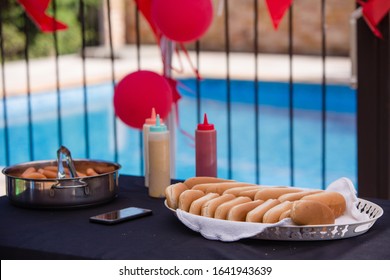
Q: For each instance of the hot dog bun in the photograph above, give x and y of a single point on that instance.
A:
(187, 197)
(218, 187)
(285, 214)
(239, 212)
(333, 200)
(238, 190)
(208, 209)
(297, 195)
(256, 215)
(274, 192)
(222, 210)
(190, 182)
(311, 212)
(172, 194)
(273, 214)
(196, 205)
(249, 193)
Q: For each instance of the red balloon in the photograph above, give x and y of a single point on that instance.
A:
(182, 20)
(138, 93)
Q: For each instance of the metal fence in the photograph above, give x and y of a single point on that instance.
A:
(61, 131)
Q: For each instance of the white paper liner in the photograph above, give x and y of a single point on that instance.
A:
(228, 231)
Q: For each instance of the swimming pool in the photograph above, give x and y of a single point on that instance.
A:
(274, 152)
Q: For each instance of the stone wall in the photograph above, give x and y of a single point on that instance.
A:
(307, 37)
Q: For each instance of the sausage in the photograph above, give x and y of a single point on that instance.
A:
(48, 173)
(27, 171)
(91, 172)
(35, 175)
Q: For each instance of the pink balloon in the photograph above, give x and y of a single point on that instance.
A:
(182, 20)
(138, 93)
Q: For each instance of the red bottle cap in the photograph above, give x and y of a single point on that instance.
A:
(205, 125)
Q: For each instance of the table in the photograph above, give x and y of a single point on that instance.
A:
(68, 234)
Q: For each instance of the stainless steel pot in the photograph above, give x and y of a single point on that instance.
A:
(62, 192)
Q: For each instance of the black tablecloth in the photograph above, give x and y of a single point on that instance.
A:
(68, 234)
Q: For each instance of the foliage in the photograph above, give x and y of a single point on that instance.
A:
(17, 28)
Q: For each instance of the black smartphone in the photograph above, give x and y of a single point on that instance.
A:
(121, 215)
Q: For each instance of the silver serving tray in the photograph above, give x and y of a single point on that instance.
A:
(322, 232)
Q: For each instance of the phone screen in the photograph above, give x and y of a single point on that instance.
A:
(121, 215)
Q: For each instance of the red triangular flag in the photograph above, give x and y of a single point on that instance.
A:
(36, 9)
(277, 9)
(145, 7)
(373, 12)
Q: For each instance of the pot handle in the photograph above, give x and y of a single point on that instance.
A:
(68, 184)
(61, 172)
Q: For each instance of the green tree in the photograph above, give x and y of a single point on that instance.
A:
(17, 28)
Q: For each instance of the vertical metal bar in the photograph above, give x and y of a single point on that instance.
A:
(197, 85)
(138, 54)
(291, 93)
(5, 115)
(167, 47)
(86, 126)
(323, 94)
(137, 38)
(256, 89)
(353, 18)
(228, 90)
(29, 109)
(56, 57)
(112, 77)
(373, 115)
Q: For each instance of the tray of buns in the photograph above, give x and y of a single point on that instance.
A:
(227, 210)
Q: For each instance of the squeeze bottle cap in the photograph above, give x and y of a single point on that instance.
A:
(152, 119)
(159, 127)
(205, 125)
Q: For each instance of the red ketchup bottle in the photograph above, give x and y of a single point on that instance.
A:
(206, 149)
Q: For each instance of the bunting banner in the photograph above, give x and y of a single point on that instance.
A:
(277, 9)
(145, 7)
(36, 10)
(373, 12)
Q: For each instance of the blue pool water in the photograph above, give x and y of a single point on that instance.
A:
(274, 153)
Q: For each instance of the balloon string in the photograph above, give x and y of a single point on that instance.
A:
(182, 131)
(180, 69)
(183, 48)
(176, 97)
(188, 89)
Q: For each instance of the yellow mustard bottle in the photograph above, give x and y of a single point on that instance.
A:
(145, 131)
(159, 159)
